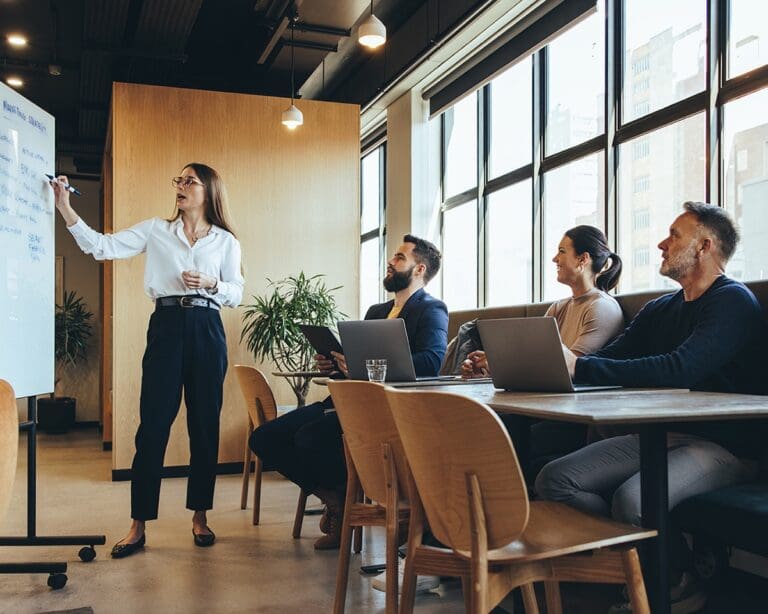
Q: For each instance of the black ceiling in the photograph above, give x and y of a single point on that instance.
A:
(224, 45)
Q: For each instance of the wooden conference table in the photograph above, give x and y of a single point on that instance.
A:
(651, 412)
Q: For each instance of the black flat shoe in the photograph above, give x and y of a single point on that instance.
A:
(120, 551)
(204, 539)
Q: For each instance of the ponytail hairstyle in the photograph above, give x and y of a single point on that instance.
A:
(592, 240)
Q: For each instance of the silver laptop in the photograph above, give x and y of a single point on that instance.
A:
(364, 339)
(526, 354)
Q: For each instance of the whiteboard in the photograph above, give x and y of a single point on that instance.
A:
(27, 250)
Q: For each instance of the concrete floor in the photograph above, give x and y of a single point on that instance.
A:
(249, 569)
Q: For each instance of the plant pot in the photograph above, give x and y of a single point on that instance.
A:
(56, 415)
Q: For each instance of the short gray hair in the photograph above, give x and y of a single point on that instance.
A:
(719, 223)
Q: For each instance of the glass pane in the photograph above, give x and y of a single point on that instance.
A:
(747, 36)
(745, 150)
(664, 53)
(370, 191)
(370, 275)
(460, 256)
(460, 125)
(658, 172)
(573, 195)
(510, 131)
(509, 224)
(576, 84)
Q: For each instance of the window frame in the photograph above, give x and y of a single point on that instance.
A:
(718, 91)
(379, 233)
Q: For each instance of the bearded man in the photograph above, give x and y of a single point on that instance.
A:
(305, 445)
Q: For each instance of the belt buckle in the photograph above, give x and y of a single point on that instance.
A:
(186, 302)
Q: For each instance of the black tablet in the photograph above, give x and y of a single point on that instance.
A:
(322, 339)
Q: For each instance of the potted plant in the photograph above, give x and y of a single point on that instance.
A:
(271, 325)
(73, 330)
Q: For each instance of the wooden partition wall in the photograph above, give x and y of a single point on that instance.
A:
(294, 198)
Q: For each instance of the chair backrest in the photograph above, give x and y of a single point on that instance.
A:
(9, 443)
(367, 423)
(445, 438)
(258, 394)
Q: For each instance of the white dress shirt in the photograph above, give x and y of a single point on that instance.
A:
(169, 254)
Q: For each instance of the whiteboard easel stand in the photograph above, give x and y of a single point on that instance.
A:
(57, 578)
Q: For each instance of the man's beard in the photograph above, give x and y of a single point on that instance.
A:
(680, 265)
(399, 280)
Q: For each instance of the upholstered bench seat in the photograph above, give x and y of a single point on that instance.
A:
(735, 515)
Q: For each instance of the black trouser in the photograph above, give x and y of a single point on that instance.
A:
(305, 446)
(186, 349)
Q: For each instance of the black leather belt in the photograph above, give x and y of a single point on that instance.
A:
(187, 301)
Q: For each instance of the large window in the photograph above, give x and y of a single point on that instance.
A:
(573, 196)
(460, 256)
(509, 253)
(372, 173)
(530, 154)
(576, 85)
(651, 192)
(664, 53)
(745, 160)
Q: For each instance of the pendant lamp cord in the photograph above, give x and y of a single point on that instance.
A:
(293, 50)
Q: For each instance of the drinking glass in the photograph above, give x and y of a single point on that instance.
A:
(377, 369)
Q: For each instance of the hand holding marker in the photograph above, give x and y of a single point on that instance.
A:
(67, 187)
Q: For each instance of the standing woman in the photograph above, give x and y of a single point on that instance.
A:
(192, 270)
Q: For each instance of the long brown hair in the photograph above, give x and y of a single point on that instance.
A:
(217, 211)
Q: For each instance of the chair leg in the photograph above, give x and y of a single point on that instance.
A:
(529, 599)
(408, 596)
(479, 534)
(257, 492)
(298, 520)
(246, 469)
(552, 593)
(466, 589)
(635, 584)
(342, 570)
(393, 528)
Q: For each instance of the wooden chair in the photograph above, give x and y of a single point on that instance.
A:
(469, 487)
(261, 409)
(373, 451)
(9, 444)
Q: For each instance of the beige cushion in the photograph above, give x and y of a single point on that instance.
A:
(631, 304)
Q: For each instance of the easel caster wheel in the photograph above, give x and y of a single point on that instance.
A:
(57, 580)
(87, 554)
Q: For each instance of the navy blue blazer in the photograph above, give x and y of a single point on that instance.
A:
(426, 322)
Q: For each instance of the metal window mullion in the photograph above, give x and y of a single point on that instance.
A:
(483, 117)
(441, 230)
(712, 73)
(538, 102)
(613, 88)
(382, 214)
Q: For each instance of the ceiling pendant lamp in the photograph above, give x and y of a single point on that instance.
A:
(372, 33)
(292, 116)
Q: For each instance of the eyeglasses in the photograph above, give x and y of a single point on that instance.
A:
(184, 182)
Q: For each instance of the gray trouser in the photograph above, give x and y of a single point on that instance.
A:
(604, 477)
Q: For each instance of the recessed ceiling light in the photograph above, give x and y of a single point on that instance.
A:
(17, 40)
(14, 82)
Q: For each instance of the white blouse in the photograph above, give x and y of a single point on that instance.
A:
(169, 254)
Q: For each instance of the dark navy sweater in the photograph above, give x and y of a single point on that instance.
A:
(715, 343)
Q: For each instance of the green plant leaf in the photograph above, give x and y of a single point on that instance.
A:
(271, 323)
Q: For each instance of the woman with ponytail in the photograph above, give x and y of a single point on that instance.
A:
(590, 317)
(588, 320)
